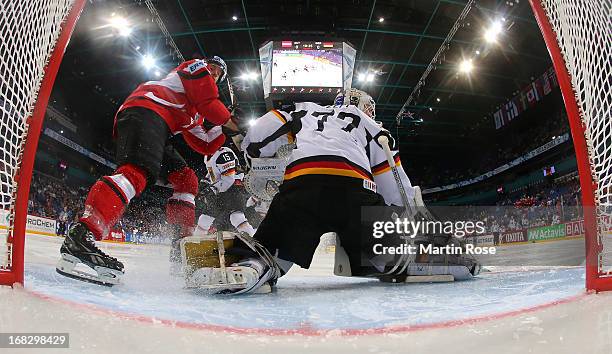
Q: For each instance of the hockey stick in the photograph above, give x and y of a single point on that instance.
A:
(230, 90)
(221, 251)
(384, 142)
(405, 257)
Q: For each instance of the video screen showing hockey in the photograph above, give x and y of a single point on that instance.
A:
(294, 176)
(304, 64)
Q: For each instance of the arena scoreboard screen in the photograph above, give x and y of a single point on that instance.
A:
(295, 70)
(306, 65)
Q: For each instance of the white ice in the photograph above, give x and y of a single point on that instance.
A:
(290, 71)
(312, 311)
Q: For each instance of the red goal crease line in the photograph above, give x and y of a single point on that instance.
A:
(307, 331)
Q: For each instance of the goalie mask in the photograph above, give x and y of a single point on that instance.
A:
(358, 98)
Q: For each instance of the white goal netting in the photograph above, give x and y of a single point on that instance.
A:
(584, 33)
(29, 30)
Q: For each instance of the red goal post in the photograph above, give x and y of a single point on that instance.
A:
(577, 35)
(33, 38)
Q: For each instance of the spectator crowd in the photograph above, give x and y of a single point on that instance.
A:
(512, 146)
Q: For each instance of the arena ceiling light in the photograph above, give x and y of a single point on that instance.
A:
(148, 61)
(492, 33)
(121, 25)
(235, 18)
(252, 121)
(249, 76)
(366, 77)
(466, 66)
(381, 19)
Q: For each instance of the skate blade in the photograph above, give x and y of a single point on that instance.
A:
(82, 278)
(105, 276)
(440, 278)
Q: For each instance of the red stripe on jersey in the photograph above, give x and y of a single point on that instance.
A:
(321, 165)
(385, 165)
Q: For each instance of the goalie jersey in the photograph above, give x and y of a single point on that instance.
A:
(338, 141)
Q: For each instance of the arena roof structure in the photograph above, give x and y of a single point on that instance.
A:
(395, 41)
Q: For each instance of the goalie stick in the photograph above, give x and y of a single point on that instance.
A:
(384, 142)
(409, 212)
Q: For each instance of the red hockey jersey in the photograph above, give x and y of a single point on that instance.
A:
(186, 97)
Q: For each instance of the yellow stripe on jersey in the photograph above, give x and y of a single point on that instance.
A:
(324, 171)
(290, 136)
(387, 168)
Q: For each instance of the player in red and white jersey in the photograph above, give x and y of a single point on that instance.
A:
(183, 98)
(180, 103)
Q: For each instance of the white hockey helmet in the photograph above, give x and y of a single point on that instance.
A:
(358, 98)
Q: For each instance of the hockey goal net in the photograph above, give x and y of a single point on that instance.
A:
(577, 34)
(34, 34)
(33, 37)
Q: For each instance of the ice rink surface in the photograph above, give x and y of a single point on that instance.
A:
(508, 310)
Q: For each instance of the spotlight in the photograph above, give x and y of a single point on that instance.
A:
(148, 61)
(248, 76)
(252, 121)
(370, 77)
(430, 109)
(493, 32)
(157, 73)
(466, 66)
(121, 25)
(438, 99)
(235, 18)
(125, 32)
(361, 77)
(381, 19)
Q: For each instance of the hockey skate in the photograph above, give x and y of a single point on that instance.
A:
(79, 248)
(433, 268)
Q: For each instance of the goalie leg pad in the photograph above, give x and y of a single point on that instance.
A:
(255, 273)
(202, 251)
